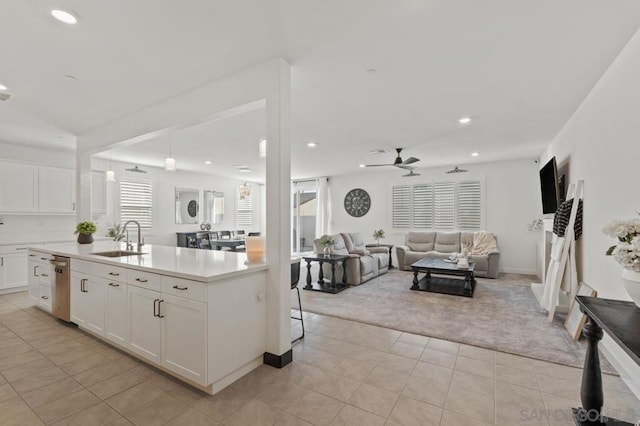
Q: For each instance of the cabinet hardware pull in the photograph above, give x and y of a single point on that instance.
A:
(35, 271)
(114, 285)
(44, 258)
(180, 288)
(44, 275)
(140, 280)
(74, 207)
(44, 297)
(114, 274)
(159, 311)
(32, 255)
(22, 248)
(154, 307)
(82, 285)
(1, 261)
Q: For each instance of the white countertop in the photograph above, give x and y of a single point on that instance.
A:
(193, 264)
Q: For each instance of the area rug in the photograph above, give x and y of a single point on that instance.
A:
(503, 315)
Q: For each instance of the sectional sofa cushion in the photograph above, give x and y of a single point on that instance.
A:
(447, 242)
(421, 241)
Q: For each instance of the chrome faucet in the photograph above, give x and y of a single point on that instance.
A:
(140, 240)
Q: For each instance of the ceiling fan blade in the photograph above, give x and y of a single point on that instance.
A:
(377, 165)
(404, 166)
(411, 160)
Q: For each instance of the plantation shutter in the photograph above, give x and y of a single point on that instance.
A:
(469, 206)
(444, 205)
(244, 211)
(401, 200)
(423, 206)
(136, 201)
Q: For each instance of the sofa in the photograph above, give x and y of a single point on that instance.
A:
(440, 245)
(363, 263)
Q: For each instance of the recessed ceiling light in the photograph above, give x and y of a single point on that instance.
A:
(362, 165)
(245, 170)
(64, 16)
(475, 154)
(207, 162)
(3, 87)
(311, 144)
(71, 77)
(371, 71)
(377, 151)
(464, 120)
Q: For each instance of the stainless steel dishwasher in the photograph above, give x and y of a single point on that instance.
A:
(61, 291)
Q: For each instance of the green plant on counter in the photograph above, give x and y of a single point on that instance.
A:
(86, 228)
(116, 232)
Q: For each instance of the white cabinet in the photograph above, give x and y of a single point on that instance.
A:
(18, 183)
(34, 278)
(116, 327)
(144, 323)
(88, 302)
(13, 270)
(56, 190)
(98, 193)
(184, 331)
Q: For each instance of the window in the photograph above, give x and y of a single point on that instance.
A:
(244, 209)
(136, 201)
(437, 205)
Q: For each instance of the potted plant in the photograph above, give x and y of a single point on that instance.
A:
(326, 242)
(378, 235)
(116, 232)
(85, 231)
(627, 253)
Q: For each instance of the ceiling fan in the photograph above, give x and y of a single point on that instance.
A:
(136, 169)
(411, 174)
(456, 170)
(398, 161)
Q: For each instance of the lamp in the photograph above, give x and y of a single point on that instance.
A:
(170, 162)
(245, 191)
(255, 249)
(110, 175)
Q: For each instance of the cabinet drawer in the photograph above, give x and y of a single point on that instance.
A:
(143, 279)
(45, 297)
(184, 288)
(101, 270)
(45, 274)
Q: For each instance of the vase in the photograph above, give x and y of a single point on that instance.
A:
(631, 281)
(85, 239)
(327, 251)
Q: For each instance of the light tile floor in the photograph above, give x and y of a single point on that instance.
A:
(344, 373)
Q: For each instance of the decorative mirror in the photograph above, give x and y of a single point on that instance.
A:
(187, 205)
(213, 206)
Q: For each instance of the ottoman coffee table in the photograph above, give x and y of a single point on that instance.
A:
(445, 285)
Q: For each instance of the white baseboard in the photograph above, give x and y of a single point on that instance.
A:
(518, 271)
(629, 371)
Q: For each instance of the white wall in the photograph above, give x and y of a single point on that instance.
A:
(601, 145)
(511, 201)
(37, 228)
(164, 184)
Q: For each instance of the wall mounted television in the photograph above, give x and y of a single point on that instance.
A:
(549, 187)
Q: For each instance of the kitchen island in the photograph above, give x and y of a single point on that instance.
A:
(199, 315)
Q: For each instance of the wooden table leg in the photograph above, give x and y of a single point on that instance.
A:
(320, 273)
(308, 275)
(591, 394)
(333, 274)
(415, 280)
(468, 290)
(344, 272)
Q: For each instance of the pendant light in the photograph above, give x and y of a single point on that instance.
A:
(170, 162)
(110, 175)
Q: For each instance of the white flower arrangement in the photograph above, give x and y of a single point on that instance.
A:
(627, 251)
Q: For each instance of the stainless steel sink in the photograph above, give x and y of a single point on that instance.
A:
(118, 253)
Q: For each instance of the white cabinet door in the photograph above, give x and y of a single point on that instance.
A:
(18, 187)
(144, 323)
(116, 326)
(95, 293)
(98, 193)
(14, 272)
(56, 190)
(184, 337)
(45, 297)
(34, 278)
(79, 299)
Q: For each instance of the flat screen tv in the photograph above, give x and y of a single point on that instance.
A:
(549, 187)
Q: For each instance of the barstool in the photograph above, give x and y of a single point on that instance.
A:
(202, 240)
(295, 277)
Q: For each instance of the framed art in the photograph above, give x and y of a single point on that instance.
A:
(575, 319)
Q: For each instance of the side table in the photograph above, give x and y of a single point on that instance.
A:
(389, 246)
(322, 285)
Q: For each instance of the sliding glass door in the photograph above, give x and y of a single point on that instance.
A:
(303, 216)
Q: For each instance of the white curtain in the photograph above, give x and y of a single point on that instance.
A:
(323, 206)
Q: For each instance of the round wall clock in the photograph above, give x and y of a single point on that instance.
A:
(357, 202)
(192, 208)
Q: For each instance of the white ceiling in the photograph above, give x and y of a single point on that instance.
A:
(518, 69)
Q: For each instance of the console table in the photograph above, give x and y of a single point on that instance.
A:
(389, 246)
(323, 286)
(620, 321)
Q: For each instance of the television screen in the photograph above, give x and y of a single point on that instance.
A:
(549, 187)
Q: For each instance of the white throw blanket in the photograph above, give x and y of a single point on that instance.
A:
(483, 243)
